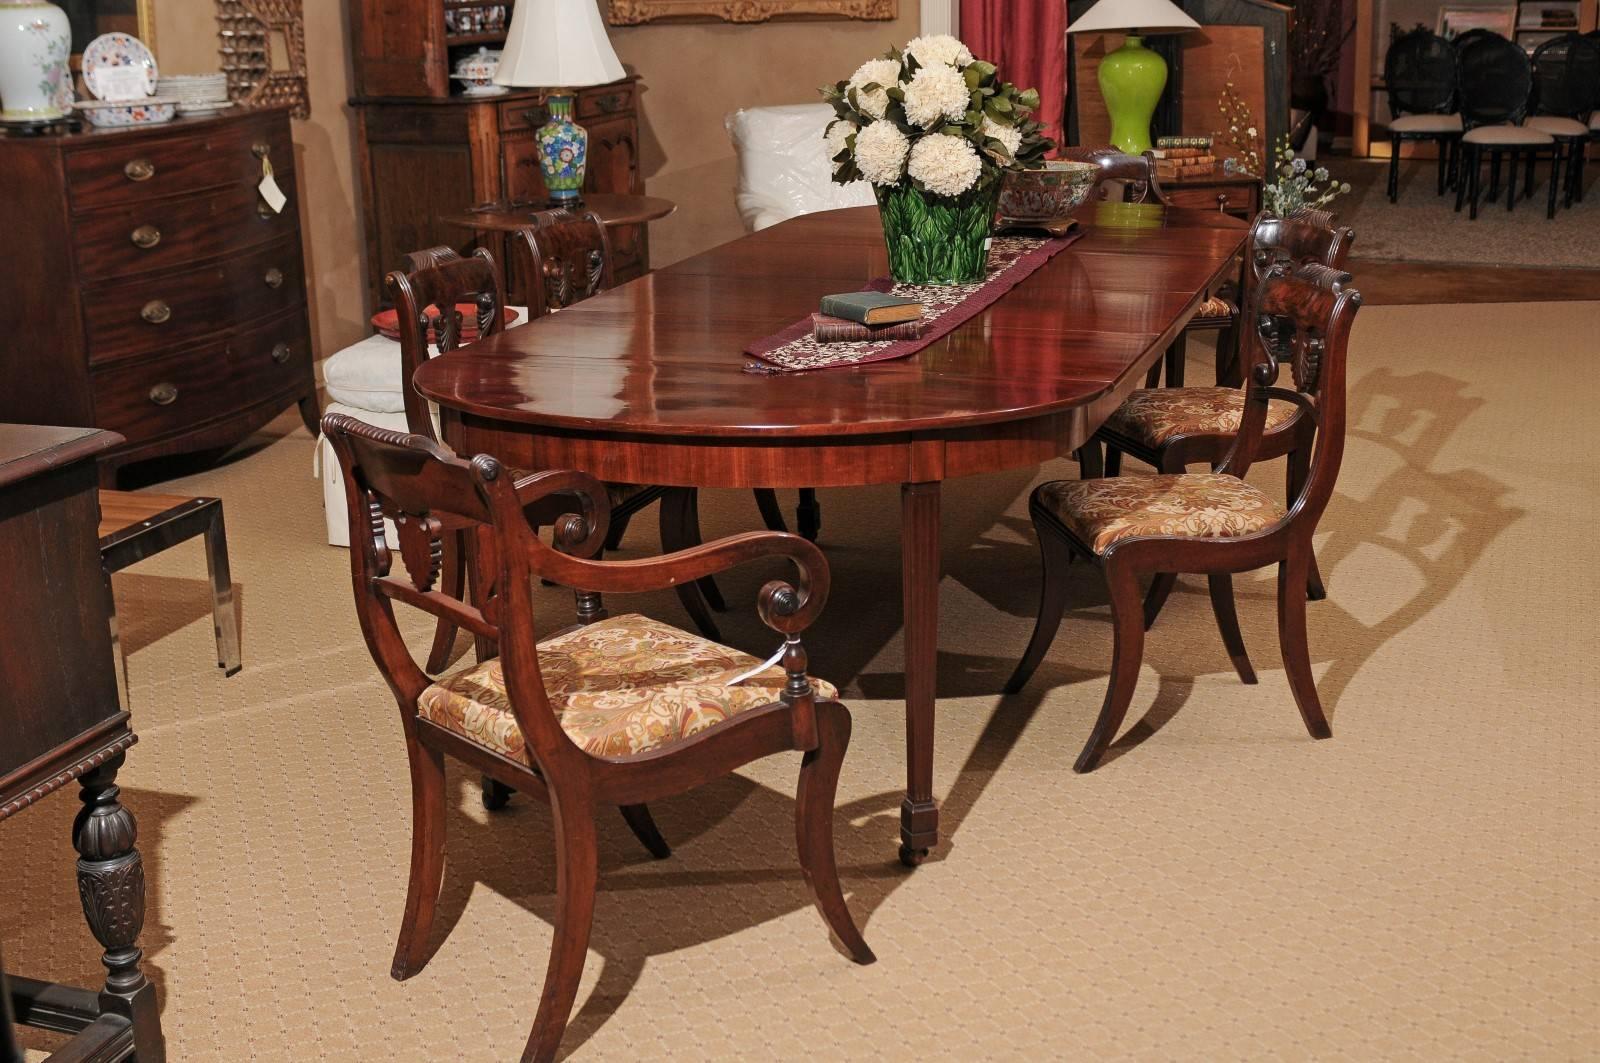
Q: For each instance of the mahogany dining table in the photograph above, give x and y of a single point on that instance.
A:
(647, 383)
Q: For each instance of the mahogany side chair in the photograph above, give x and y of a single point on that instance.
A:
(1173, 428)
(614, 711)
(1212, 522)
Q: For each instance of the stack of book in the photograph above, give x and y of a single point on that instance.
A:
(856, 317)
(1179, 157)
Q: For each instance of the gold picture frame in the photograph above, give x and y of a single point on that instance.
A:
(637, 12)
(263, 48)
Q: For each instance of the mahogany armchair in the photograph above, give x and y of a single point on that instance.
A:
(616, 711)
(1214, 522)
(1172, 428)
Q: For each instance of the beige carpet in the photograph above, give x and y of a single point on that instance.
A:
(1420, 887)
(1422, 226)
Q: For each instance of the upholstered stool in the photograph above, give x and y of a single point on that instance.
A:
(363, 380)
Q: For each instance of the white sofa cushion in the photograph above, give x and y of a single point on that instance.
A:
(366, 375)
(784, 169)
(1426, 123)
(335, 509)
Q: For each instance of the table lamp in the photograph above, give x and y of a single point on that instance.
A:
(1132, 77)
(560, 44)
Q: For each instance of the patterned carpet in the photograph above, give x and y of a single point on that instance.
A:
(1422, 886)
(1423, 226)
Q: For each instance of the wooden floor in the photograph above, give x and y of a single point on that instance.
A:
(1411, 283)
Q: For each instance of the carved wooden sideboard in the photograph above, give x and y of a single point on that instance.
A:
(151, 290)
(61, 723)
(423, 157)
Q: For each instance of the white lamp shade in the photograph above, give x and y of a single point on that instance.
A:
(557, 44)
(1146, 16)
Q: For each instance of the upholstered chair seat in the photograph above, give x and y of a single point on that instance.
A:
(1154, 416)
(1557, 126)
(1101, 513)
(1426, 123)
(1507, 134)
(620, 687)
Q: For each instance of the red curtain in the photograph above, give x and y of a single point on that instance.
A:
(1026, 39)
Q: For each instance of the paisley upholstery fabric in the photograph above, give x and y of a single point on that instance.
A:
(1154, 415)
(619, 687)
(1188, 505)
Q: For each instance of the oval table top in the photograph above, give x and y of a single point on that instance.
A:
(662, 355)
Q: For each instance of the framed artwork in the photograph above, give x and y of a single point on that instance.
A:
(263, 47)
(1455, 19)
(634, 12)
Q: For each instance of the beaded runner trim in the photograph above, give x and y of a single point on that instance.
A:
(1012, 259)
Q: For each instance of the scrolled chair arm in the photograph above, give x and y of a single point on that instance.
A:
(580, 533)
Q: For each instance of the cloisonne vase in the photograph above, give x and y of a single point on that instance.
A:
(35, 39)
(938, 239)
(563, 150)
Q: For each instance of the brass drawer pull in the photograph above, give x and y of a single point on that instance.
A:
(1222, 201)
(264, 211)
(609, 103)
(156, 311)
(139, 170)
(274, 277)
(260, 149)
(281, 352)
(146, 236)
(533, 116)
(164, 394)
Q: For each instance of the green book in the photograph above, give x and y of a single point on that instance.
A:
(871, 308)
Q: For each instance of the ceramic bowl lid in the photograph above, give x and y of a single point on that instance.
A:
(117, 66)
(481, 64)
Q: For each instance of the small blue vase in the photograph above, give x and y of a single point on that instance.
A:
(563, 150)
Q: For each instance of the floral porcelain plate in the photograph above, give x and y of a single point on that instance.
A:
(118, 67)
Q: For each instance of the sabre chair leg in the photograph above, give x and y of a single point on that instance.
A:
(1464, 157)
(619, 528)
(1160, 591)
(1222, 606)
(1527, 175)
(1292, 639)
(224, 623)
(1474, 180)
(412, 952)
(1176, 360)
(813, 827)
(1297, 467)
(577, 876)
(771, 512)
(1128, 651)
(1495, 159)
(644, 828)
(1511, 184)
(1091, 460)
(453, 582)
(1555, 174)
(1113, 460)
(1394, 168)
(1057, 559)
(808, 514)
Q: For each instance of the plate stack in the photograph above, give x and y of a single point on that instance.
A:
(197, 94)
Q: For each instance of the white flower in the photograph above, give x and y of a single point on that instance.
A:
(884, 73)
(881, 152)
(1251, 131)
(934, 94)
(1009, 135)
(938, 49)
(945, 165)
(838, 132)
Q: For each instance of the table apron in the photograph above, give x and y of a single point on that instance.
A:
(783, 461)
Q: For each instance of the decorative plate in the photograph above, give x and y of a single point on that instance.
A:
(387, 322)
(117, 66)
(114, 114)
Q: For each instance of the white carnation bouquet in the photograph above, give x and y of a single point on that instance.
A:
(931, 115)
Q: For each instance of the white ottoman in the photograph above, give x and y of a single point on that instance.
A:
(364, 381)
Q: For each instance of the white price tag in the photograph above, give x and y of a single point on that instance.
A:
(269, 188)
(122, 83)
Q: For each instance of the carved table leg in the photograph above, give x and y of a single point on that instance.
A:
(919, 577)
(111, 886)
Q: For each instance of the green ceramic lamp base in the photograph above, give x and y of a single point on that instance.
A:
(1131, 79)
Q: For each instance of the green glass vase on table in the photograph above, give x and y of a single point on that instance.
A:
(934, 130)
(1132, 77)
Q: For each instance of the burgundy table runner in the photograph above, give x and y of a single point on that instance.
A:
(1012, 259)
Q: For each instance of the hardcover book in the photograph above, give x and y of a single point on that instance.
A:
(871, 308)
(827, 329)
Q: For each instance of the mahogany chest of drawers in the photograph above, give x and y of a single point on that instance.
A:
(151, 290)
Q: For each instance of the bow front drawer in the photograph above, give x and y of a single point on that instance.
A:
(137, 169)
(148, 398)
(148, 314)
(168, 233)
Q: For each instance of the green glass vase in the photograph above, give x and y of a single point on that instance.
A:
(938, 239)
